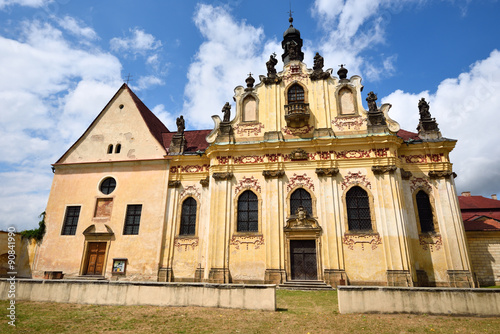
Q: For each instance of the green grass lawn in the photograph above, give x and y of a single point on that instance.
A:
(298, 312)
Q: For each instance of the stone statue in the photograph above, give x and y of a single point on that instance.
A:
(180, 125)
(372, 105)
(301, 213)
(271, 63)
(318, 63)
(226, 110)
(423, 109)
(293, 51)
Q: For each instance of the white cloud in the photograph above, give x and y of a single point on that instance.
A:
(139, 42)
(466, 108)
(49, 93)
(27, 3)
(77, 28)
(165, 116)
(148, 81)
(230, 51)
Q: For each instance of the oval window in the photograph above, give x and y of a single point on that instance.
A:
(108, 186)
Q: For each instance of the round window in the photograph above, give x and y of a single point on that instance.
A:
(108, 186)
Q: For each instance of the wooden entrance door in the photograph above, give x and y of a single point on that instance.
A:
(303, 260)
(96, 251)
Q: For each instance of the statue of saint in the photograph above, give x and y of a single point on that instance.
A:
(318, 63)
(271, 63)
(423, 109)
(372, 105)
(226, 110)
(180, 124)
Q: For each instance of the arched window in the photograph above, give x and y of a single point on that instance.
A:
(300, 197)
(425, 212)
(248, 212)
(296, 94)
(188, 217)
(358, 210)
(118, 148)
(110, 148)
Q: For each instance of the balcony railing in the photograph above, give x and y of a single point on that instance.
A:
(297, 114)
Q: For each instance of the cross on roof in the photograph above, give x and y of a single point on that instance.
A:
(129, 78)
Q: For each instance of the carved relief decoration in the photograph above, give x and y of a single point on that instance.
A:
(273, 157)
(422, 158)
(353, 154)
(253, 129)
(327, 171)
(194, 169)
(295, 74)
(355, 178)
(347, 122)
(191, 191)
(174, 184)
(297, 131)
(372, 239)
(247, 183)
(185, 242)
(325, 155)
(222, 176)
(380, 152)
(419, 182)
(302, 180)
(257, 241)
(436, 174)
(248, 159)
(223, 160)
(432, 242)
(299, 154)
(269, 174)
(379, 170)
(189, 169)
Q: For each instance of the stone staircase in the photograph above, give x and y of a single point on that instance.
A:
(305, 285)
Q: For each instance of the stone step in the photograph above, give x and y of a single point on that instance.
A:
(305, 285)
(85, 278)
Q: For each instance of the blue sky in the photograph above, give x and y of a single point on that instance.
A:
(62, 60)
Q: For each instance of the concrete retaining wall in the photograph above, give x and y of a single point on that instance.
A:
(481, 302)
(255, 297)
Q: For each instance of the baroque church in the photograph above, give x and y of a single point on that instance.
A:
(298, 183)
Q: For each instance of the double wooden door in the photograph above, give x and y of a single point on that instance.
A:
(303, 260)
(96, 253)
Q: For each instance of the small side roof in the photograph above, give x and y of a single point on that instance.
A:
(478, 203)
(195, 139)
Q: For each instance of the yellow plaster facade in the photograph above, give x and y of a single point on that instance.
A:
(320, 144)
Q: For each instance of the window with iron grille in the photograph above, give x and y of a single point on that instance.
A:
(71, 220)
(133, 219)
(296, 94)
(300, 197)
(358, 210)
(248, 212)
(425, 212)
(108, 186)
(188, 217)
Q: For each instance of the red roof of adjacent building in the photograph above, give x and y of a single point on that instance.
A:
(195, 140)
(480, 213)
(406, 135)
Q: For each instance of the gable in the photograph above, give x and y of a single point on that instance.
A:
(125, 121)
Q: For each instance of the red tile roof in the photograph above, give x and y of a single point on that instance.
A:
(483, 225)
(480, 213)
(195, 139)
(406, 135)
(156, 127)
(478, 203)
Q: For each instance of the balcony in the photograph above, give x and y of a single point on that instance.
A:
(297, 114)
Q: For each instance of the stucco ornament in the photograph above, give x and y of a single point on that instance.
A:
(303, 180)
(248, 183)
(191, 191)
(355, 178)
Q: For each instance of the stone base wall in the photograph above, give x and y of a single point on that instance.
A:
(254, 297)
(484, 251)
(450, 301)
